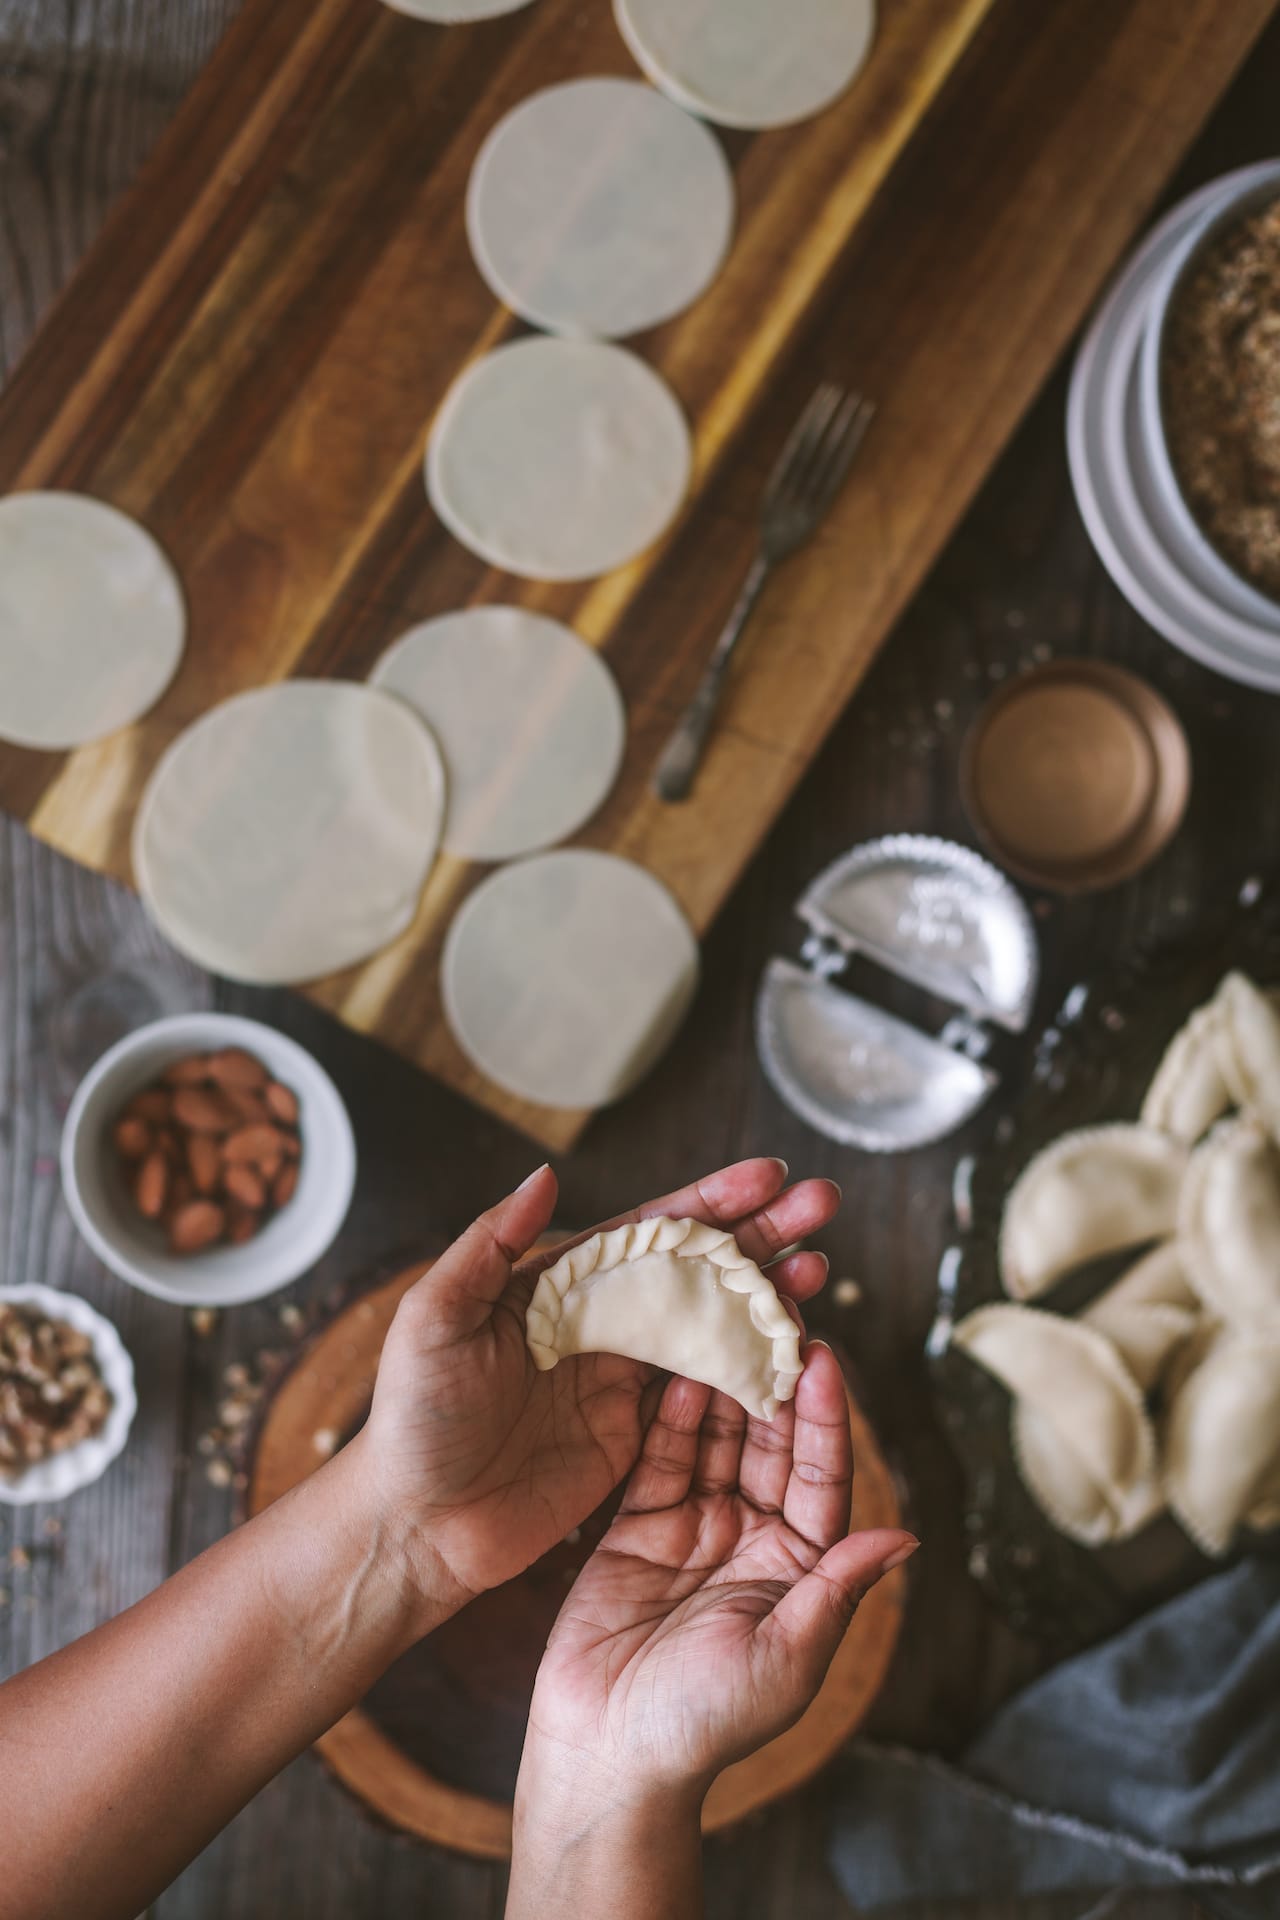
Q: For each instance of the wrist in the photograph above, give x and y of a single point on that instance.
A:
(571, 1788)
(595, 1842)
(418, 1590)
(350, 1584)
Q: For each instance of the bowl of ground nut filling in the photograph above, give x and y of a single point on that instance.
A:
(1210, 391)
(208, 1159)
(66, 1394)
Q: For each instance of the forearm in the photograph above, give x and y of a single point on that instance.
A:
(122, 1756)
(601, 1852)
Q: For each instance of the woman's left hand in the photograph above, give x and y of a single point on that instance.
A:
(704, 1622)
(475, 1461)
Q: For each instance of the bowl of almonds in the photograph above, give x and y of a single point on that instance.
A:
(208, 1159)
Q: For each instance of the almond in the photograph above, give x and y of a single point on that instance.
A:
(152, 1185)
(203, 1110)
(233, 1067)
(196, 1225)
(132, 1138)
(242, 1224)
(259, 1145)
(285, 1184)
(153, 1105)
(245, 1184)
(181, 1189)
(283, 1103)
(204, 1161)
(250, 1106)
(188, 1072)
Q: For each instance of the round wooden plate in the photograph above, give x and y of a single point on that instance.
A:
(434, 1748)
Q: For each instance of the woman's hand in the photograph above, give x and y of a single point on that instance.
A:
(706, 1619)
(482, 1462)
(701, 1626)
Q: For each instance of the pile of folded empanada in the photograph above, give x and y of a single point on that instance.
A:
(1165, 1392)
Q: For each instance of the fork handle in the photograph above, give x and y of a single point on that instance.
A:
(682, 756)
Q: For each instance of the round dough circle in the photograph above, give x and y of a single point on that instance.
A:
(597, 207)
(288, 833)
(454, 12)
(558, 459)
(565, 976)
(92, 620)
(749, 63)
(528, 717)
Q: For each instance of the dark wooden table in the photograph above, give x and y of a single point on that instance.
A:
(83, 92)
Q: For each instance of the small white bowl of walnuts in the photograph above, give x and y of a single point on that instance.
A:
(67, 1398)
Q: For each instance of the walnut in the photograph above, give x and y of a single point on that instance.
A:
(52, 1395)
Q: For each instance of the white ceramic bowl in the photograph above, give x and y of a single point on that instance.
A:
(1158, 573)
(1232, 197)
(291, 1242)
(64, 1473)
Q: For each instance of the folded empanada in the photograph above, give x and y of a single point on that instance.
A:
(678, 1294)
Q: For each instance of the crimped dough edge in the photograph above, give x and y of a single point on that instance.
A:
(688, 1240)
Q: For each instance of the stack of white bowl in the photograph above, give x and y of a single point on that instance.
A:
(1124, 480)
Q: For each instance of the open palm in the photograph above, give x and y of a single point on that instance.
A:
(489, 1459)
(706, 1619)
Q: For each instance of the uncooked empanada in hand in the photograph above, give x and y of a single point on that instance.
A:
(677, 1294)
(1222, 1440)
(1229, 1224)
(1080, 1432)
(1092, 1192)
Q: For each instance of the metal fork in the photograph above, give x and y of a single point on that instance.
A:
(809, 473)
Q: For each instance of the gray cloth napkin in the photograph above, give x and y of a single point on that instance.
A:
(1151, 1760)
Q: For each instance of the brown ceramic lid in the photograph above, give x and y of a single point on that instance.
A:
(1076, 775)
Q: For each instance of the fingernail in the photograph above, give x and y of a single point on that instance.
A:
(781, 1164)
(531, 1177)
(899, 1554)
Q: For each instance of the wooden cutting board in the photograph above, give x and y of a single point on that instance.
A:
(251, 355)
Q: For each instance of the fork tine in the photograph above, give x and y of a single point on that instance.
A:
(810, 457)
(810, 483)
(846, 435)
(801, 443)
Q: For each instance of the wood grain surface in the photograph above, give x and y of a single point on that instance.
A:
(250, 357)
(83, 88)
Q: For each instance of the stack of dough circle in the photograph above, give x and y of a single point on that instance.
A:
(92, 621)
(288, 833)
(558, 459)
(566, 975)
(749, 63)
(527, 716)
(597, 207)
